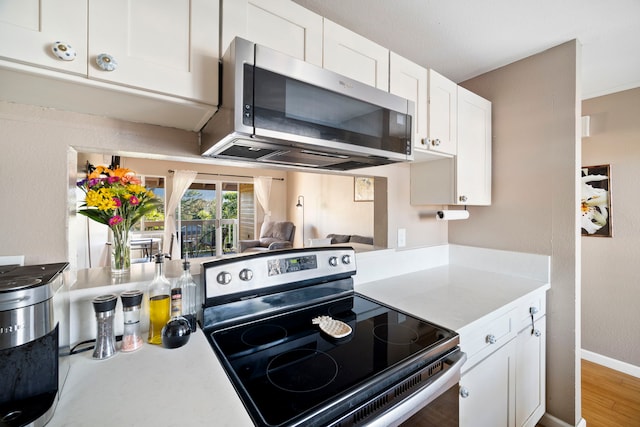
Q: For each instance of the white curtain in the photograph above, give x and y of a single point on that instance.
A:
(262, 187)
(181, 181)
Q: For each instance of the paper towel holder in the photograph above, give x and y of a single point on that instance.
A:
(445, 215)
(448, 215)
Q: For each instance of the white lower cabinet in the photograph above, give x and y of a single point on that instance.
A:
(503, 381)
(487, 391)
(530, 374)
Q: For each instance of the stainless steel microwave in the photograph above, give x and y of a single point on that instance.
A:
(280, 110)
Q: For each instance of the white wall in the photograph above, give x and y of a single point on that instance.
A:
(536, 155)
(610, 268)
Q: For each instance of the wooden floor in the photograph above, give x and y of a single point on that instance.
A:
(609, 398)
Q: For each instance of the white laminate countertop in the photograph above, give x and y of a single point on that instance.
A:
(152, 386)
(452, 296)
(155, 386)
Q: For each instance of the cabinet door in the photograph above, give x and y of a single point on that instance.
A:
(409, 80)
(28, 28)
(473, 162)
(354, 56)
(164, 46)
(298, 34)
(530, 374)
(489, 390)
(442, 113)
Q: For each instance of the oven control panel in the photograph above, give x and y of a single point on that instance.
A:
(293, 264)
(246, 273)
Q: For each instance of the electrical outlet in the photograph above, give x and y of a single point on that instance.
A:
(402, 237)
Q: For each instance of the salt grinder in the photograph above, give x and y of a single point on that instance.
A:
(105, 308)
(131, 337)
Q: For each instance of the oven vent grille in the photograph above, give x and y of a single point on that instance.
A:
(370, 408)
(406, 386)
(417, 380)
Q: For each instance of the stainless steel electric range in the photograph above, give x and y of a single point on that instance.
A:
(360, 362)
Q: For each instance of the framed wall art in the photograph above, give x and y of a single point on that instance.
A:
(362, 189)
(596, 201)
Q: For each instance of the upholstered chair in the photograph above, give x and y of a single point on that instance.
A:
(273, 235)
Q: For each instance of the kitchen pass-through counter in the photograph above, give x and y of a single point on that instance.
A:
(461, 288)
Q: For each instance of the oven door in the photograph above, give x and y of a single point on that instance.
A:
(437, 405)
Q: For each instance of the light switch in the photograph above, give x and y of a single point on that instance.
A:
(402, 237)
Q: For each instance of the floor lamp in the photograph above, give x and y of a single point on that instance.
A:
(300, 205)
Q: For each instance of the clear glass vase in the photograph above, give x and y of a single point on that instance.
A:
(120, 251)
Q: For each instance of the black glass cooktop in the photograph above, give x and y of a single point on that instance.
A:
(285, 367)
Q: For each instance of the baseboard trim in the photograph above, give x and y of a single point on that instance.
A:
(551, 421)
(617, 365)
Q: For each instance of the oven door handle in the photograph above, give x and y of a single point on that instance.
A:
(406, 408)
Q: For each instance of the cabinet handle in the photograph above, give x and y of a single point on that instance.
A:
(63, 51)
(464, 392)
(435, 142)
(106, 62)
(491, 339)
(463, 198)
(425, 141)
(534, 331)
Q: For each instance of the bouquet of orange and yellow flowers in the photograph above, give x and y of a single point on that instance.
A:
(116, 198)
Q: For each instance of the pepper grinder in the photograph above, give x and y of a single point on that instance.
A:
(105, 308)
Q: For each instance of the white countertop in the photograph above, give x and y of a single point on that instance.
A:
(152, 386)
(452, 296)
(188, 386)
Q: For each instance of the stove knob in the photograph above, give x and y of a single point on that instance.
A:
(224, 278)
(246, 274)
(346, 259)
(333, 261)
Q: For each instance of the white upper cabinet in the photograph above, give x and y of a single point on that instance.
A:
(442, 111)
(409, 80)
(473, 161)
(465, 178)
(165, 46)
(28, 29)
(166, 53)
(279, 24)
(354, 56)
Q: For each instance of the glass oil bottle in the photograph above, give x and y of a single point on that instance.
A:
(189, 297)
(159, 302)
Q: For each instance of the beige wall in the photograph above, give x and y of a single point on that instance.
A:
(38, 168)
(330, 208)
(536, 155)
(610, 268)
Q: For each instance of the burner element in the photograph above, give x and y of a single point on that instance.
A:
(302, 370)
(395, 334)
(263, 334)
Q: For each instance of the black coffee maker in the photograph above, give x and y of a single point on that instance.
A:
(33, 323)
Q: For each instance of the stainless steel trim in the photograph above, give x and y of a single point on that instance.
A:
(22, 325)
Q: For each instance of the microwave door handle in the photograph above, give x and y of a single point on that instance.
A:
(406, 408)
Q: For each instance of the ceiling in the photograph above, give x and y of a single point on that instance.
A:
(462, 39)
